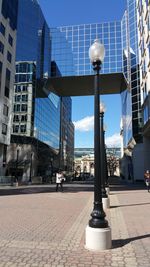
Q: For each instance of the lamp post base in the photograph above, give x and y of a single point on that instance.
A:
(106, 203)
(97, 239)
(107, 190)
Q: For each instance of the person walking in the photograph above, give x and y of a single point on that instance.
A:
(147, 180)
(59, 180)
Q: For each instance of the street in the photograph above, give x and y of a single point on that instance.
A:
(39, 227)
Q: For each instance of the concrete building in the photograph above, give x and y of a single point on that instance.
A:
(8, 31)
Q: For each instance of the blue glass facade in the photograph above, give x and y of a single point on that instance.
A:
(70, 47)
(34, 45)
(33, 41)
(10, 10)
(131, 98)
(47, 120)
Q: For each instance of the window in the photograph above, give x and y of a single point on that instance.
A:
(24, 107)
(15, 128)
(9, 56)
(24, 118)
(2, 29)
(16, 107)
(1, 47)
(24, 88)
(7, 83)
(16, 118)
(9, 10)
(4, 155)
(5, 110)
(23, 128)
(4, 128)
(17, 98)
(18, 88)
(24, 98)
(10, 40)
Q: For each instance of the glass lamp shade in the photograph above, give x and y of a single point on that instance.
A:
(96, 51)
(102, 107)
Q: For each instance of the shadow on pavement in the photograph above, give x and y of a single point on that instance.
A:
(42, 189)
(122, 242)
(73, 187)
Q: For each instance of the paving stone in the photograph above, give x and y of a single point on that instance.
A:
(48, 229)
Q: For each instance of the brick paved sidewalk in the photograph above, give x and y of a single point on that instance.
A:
(47, 228)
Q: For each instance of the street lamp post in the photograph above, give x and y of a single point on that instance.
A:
(51, 170)
(98, 234)
(106, 168)
(105, 198)
(16, 171)
(30, 177)
(102, 145)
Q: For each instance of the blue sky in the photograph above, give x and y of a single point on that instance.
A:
(67, 12)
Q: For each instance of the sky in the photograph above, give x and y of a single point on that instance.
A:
(75, 12)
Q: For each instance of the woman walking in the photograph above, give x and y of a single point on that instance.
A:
(59, 180)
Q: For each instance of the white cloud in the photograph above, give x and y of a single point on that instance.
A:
(114, 140)
(87, 124)
(84, 125)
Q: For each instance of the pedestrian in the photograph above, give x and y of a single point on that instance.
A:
(147, 179)
(59, 180)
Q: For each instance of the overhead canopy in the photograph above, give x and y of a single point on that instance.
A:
(113, 83)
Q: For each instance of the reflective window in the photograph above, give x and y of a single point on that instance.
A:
(76, 43)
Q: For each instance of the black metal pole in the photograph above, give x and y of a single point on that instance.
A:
(30, 178)
(102, 151)
(98, 214)
(105, 166)
(51, 170)
(61, 136)
(16, 171)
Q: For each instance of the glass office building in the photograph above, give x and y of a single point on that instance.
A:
(34, 45)
(122, 41)
(70, 47)
(36, 112)
(67, 47)
(121, 57)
